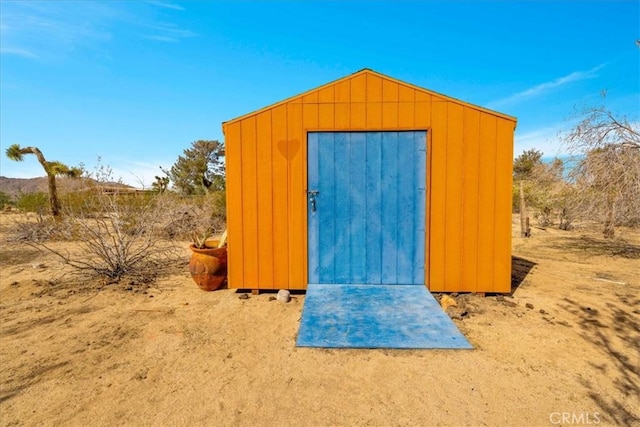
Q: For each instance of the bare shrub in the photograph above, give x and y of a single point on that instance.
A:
(114, 237)
(202, 215)
(32, 228)
(609, 182)
(607, 178)
(123, 233)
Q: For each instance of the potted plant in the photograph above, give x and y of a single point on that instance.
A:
(208, 263)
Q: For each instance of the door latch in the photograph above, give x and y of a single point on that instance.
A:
(312, 198)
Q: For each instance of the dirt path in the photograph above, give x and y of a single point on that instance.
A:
(563, 350)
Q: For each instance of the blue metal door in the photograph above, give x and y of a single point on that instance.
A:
(366, 209)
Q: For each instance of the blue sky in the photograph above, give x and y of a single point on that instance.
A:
(135, 82)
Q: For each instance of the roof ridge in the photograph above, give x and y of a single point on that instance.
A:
(381, 75)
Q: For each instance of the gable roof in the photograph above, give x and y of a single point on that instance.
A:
(367, 71)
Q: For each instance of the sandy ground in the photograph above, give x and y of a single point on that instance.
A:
(175, 355)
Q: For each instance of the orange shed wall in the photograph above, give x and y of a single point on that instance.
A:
(469, 190)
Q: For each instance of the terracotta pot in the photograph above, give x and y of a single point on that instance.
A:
(208, 267)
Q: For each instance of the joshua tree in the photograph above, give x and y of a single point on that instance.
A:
(52, 169)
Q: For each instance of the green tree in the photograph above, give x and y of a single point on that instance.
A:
(523, 167)
(524, 164)
(549, 193)
(200, 169)
(541, 187)
(52, 169)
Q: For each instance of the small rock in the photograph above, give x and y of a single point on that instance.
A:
(500, 298)
(509, 303)
(14, 283)
(456, 312)
(284, 295)
(446, 301)
(244, 296)
(142, 375)
(38, 265)
(542, 311)
(272, 298)
(529, 306)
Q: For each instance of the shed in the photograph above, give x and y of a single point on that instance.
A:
(369, 179)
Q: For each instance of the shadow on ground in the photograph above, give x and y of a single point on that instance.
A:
(33, 377)
(520, 268)
(615, 330)
(25, 326)
(16, 256)
(587, 245)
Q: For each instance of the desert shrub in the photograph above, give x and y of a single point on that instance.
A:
(5, 200)
(114, 237)
(33, 202)
(608, 180)
(608, 175)
(33, 228)
(122, 235)
(80, 201)
(219, 203)
(202, 215)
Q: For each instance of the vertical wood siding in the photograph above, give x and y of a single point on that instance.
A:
(369, 224)
(468, 180)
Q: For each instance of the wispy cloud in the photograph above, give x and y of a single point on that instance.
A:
(545, 139)
(17, 51)
(46, 29)
(139, 174)
(167, 32)
(545, 87)
(52, 30)
(164, 4)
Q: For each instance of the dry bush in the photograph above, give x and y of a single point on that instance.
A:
(202, 215)
(114, 237)
(117, 235)
(120, 239)
(32, 228)
(608, 184)
(607, 179)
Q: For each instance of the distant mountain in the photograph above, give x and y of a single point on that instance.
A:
(16, 186)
